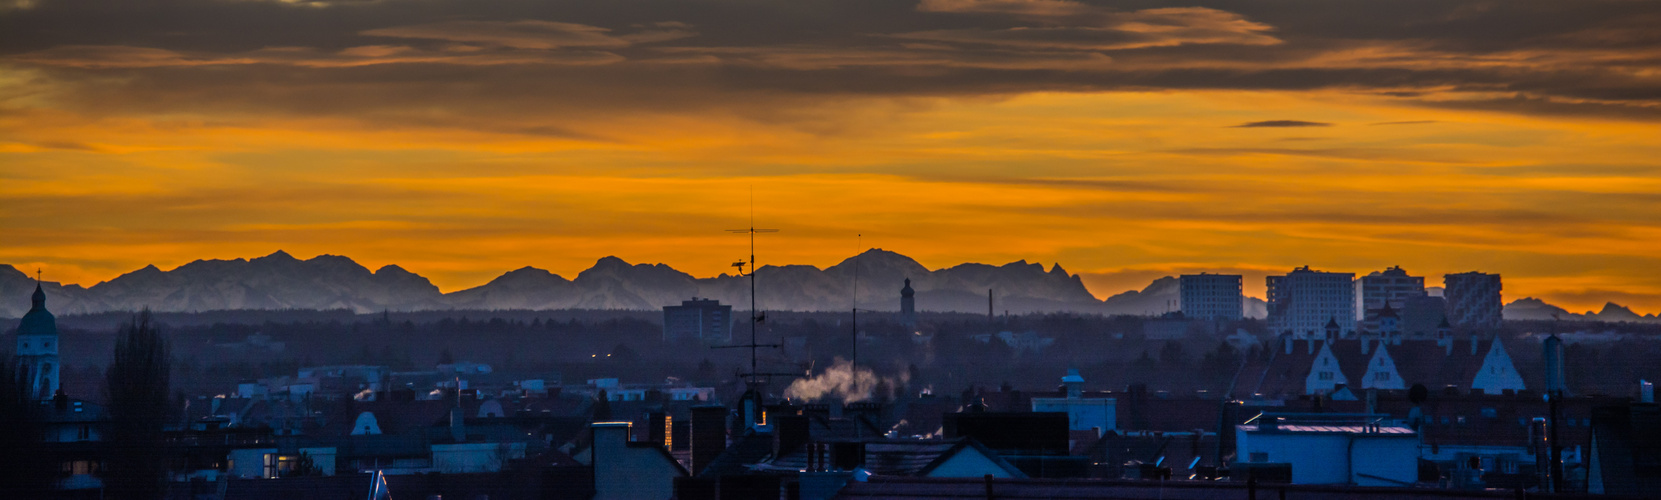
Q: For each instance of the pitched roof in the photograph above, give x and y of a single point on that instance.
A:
(749, 449)
(1284, 373)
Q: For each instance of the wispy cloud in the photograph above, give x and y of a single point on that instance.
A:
(1282, 124)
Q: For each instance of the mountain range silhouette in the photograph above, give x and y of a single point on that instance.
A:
(281, 281)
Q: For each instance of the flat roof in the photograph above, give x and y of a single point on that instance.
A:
(1332, 429)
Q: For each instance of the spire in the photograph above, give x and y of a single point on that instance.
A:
(1387, 311)
(37, 302)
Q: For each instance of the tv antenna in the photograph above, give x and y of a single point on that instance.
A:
(756, 318)
(853, 363)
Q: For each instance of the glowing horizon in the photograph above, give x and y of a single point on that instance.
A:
(1124, 143)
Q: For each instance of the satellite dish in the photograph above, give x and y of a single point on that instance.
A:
(1418, 393)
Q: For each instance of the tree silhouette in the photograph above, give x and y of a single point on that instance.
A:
(28, 473)
(1171, 355)
(602, 407)
(138, 383)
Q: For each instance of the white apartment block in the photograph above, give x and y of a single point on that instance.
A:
(1304, 301)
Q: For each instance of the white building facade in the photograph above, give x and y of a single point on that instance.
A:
(1360, 453)
(1304, 301)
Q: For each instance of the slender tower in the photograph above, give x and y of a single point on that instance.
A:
(37, 347)
(908, 305)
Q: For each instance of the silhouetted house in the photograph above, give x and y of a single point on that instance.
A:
(1625, 457)
(1302, 367)
(1039, 444)
(705, 320)
(75, 437)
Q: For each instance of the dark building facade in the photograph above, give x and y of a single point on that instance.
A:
(703, 319)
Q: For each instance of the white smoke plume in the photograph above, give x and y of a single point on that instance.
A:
(841, 381)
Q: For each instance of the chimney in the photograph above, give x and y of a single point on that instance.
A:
(458, 428)
(1311, 346)
(1288, 344)
(1553, 357)
(1073, 383)
(709, 435)
(1473, 344)
(612, 470)
(790, 432)
(1646, 391)
(1225, 430)
(1364, 343)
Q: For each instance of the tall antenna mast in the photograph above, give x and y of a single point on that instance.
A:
(858, 250)
(755, 317)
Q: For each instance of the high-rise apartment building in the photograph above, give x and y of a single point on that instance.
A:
(1304, 301)
(703, 319)
(1211, 296)
(1473, 300)
(1392, 286)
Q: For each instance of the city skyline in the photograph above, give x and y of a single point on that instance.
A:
(1126, 142)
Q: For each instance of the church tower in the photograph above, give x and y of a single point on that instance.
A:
(908, 306)
(37, 347)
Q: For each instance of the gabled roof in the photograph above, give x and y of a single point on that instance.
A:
(1628, 443)
(745, 451)
(1437, 366)
(964, 446)
(1284, 373)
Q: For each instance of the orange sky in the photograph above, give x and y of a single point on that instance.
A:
(1113, 144)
